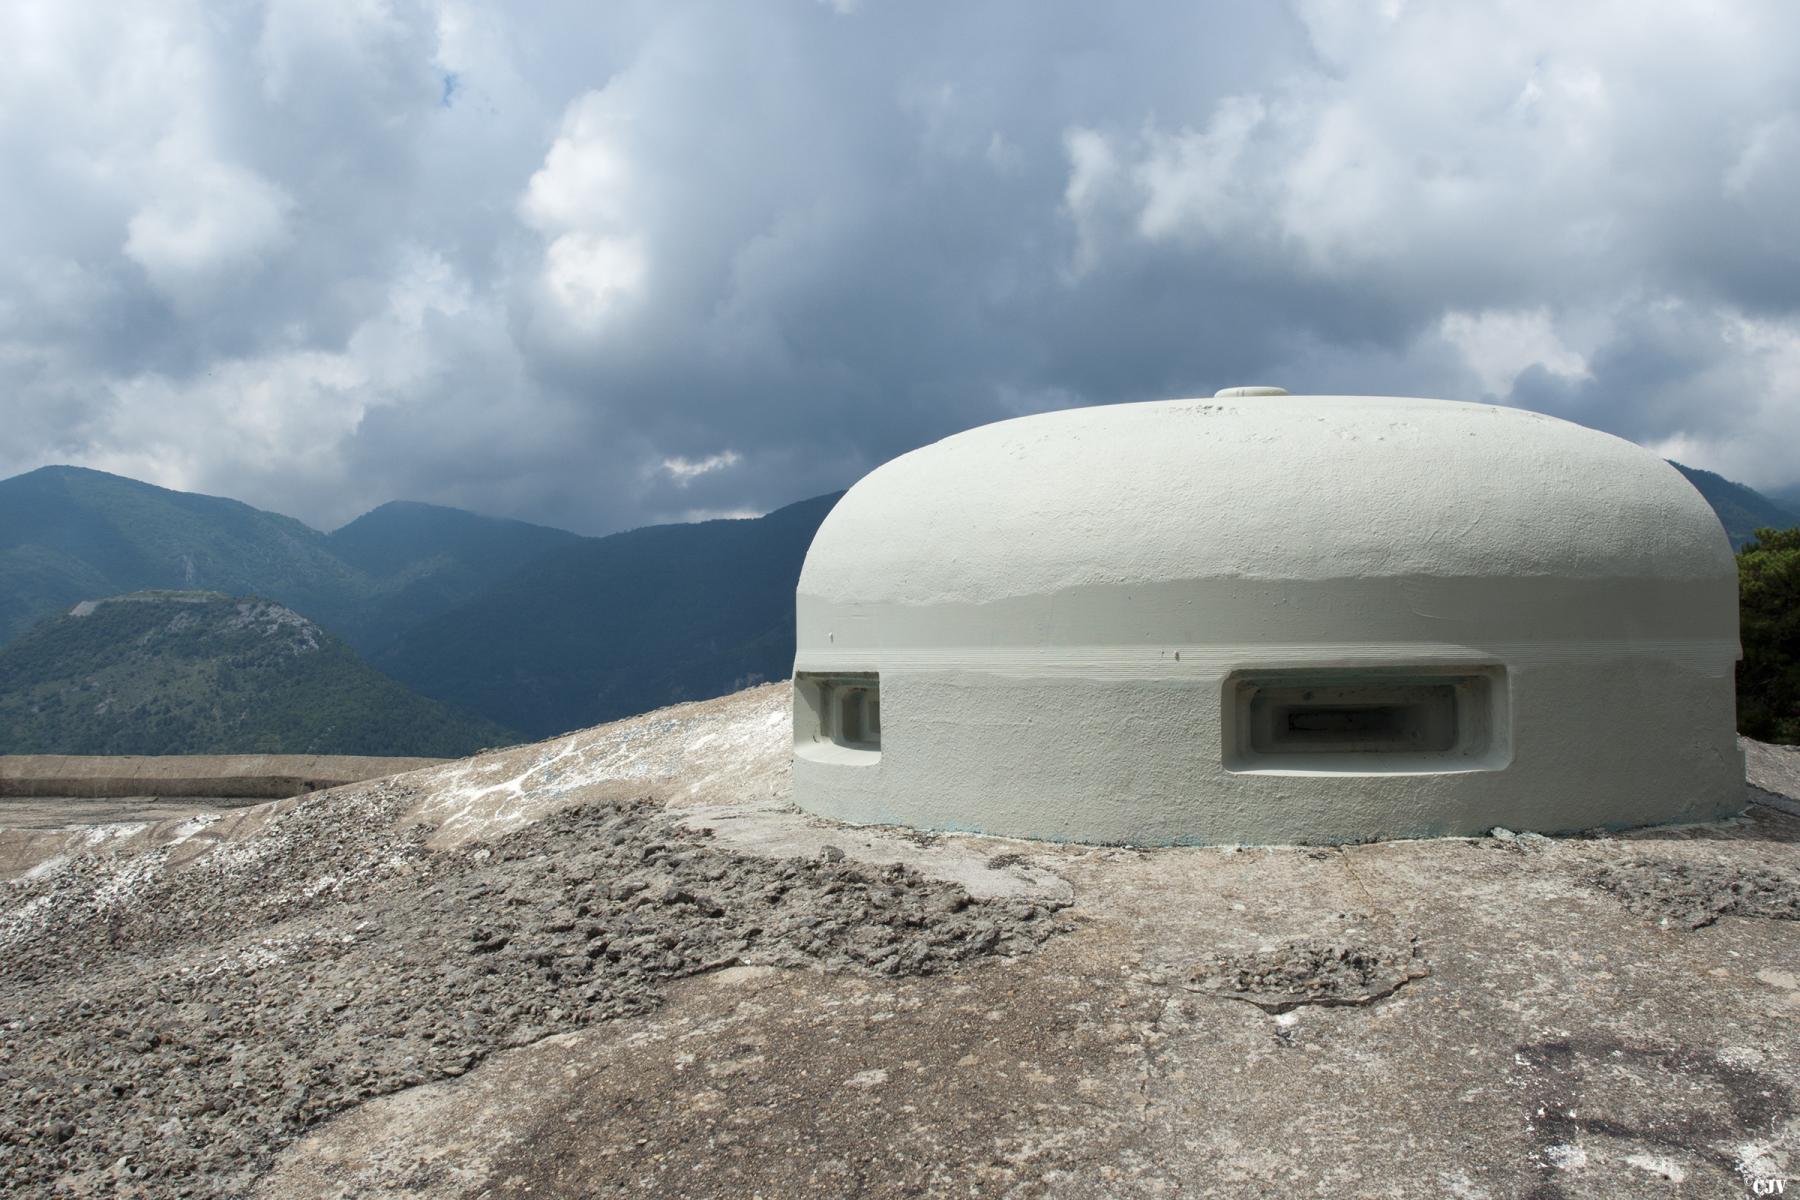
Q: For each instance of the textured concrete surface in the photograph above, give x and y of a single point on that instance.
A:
(1502, 1016)
(1560, 1046)
(339, 968)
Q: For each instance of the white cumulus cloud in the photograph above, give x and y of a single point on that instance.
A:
(547, 264)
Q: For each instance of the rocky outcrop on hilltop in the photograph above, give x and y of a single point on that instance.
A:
(620, 963)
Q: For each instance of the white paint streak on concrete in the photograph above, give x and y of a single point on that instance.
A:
(1657, 1164)
(48, 867)
(195, 824)
(99, 835)
(687, 755)
(1566, 1157)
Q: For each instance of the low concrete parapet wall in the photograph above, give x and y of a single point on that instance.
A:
(242, 776)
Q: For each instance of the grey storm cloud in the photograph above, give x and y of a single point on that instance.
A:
(601, 265)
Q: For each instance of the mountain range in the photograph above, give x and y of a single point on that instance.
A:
(1741, 510)
(618, 625)
(205, 673)
(69, 534)
(536, 630)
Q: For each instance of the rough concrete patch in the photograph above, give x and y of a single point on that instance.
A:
(164, 1030)
(1339, 971)
(1779, 803)
(960, 861)
(1524, 843)
(1773, 773)
(1693, 895)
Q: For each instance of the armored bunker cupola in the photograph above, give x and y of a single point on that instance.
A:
(1262, 618)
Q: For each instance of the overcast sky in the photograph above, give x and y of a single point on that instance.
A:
(598, 265)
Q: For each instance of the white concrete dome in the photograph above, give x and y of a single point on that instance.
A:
(1269, 618)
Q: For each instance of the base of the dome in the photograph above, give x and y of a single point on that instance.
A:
(1192, 761)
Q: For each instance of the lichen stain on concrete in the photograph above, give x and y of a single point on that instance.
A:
(1594, 1105)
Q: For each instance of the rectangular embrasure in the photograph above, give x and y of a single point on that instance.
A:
(1365, 720)
(837, 716)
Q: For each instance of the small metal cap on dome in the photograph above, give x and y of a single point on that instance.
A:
(1249, 391)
